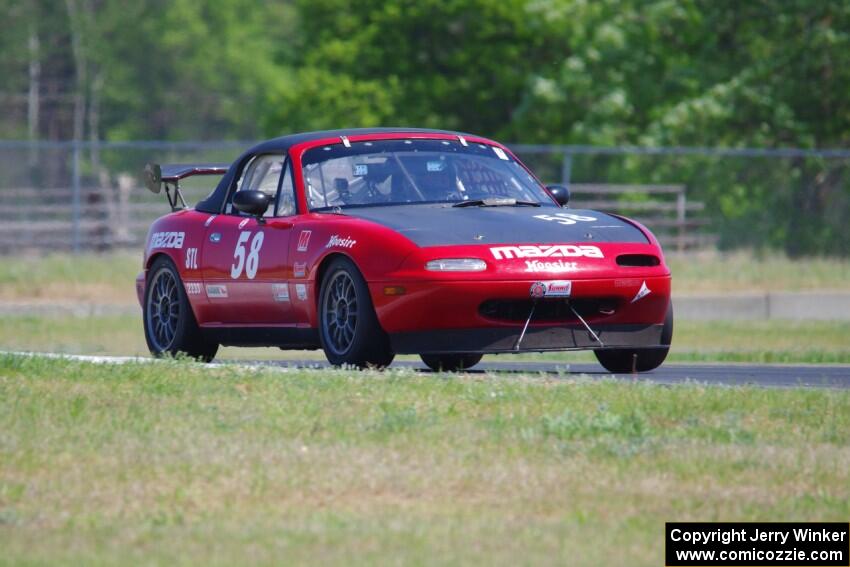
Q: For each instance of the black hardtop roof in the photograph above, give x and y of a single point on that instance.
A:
(283, 143)
(214, 201)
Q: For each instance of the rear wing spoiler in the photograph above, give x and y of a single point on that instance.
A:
(157, 176)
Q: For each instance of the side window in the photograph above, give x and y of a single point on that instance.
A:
(286, 196)
(261, 174)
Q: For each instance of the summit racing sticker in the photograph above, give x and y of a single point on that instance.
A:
(554, 288)
(167, 239)
(546, 251)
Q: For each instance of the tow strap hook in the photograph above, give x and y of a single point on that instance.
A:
(586, 326)
(537, 292)
(527, 322)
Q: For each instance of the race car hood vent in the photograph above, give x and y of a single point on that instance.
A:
(444, 225)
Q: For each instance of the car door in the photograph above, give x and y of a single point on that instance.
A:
(245, 258)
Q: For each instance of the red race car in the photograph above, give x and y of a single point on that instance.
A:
(369, 243)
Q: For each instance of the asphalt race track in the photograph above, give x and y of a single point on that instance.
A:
(765, 375)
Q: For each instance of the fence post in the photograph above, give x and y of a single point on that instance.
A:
(566, 169)
(681, 208)
(76, 211)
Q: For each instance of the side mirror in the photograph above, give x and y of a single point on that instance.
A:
(254, 203)
(560, 193)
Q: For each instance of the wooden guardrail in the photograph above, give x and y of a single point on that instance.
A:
(665, 209)
(44, 218)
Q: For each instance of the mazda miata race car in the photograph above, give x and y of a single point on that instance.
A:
(369, 243)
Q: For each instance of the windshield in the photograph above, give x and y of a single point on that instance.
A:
(414, 171)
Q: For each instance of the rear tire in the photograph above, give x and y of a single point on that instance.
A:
(450, 362)
(170, 325)
(348, 327)
(621, 361)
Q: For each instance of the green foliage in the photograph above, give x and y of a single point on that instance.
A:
(756, 73)
(188, 69)
(449, 64)
(654, 72)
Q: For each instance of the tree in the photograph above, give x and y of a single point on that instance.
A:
(433, 63)
(717, 73)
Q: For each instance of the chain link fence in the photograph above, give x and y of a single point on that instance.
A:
(89, 196)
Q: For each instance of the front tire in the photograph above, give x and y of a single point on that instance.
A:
(170, 325)
(622, 361)
(348, 327)
(450, 362)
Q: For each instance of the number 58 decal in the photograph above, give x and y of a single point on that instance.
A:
(252, 262)
(565, 218)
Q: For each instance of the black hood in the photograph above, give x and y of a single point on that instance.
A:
(444, 225)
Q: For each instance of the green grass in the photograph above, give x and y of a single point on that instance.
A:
(172, 464)
(92, 278)
(772, 341)
(718, 341)
(716, 273)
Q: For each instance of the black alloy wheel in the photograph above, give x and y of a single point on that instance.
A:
(348, 327)
(170, 325)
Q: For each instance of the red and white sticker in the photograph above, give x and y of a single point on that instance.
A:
(299, 269)
(301, 291)
(304, 240)
(554, 288)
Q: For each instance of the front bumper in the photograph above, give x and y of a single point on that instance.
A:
(453, 316)
(536, 339)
